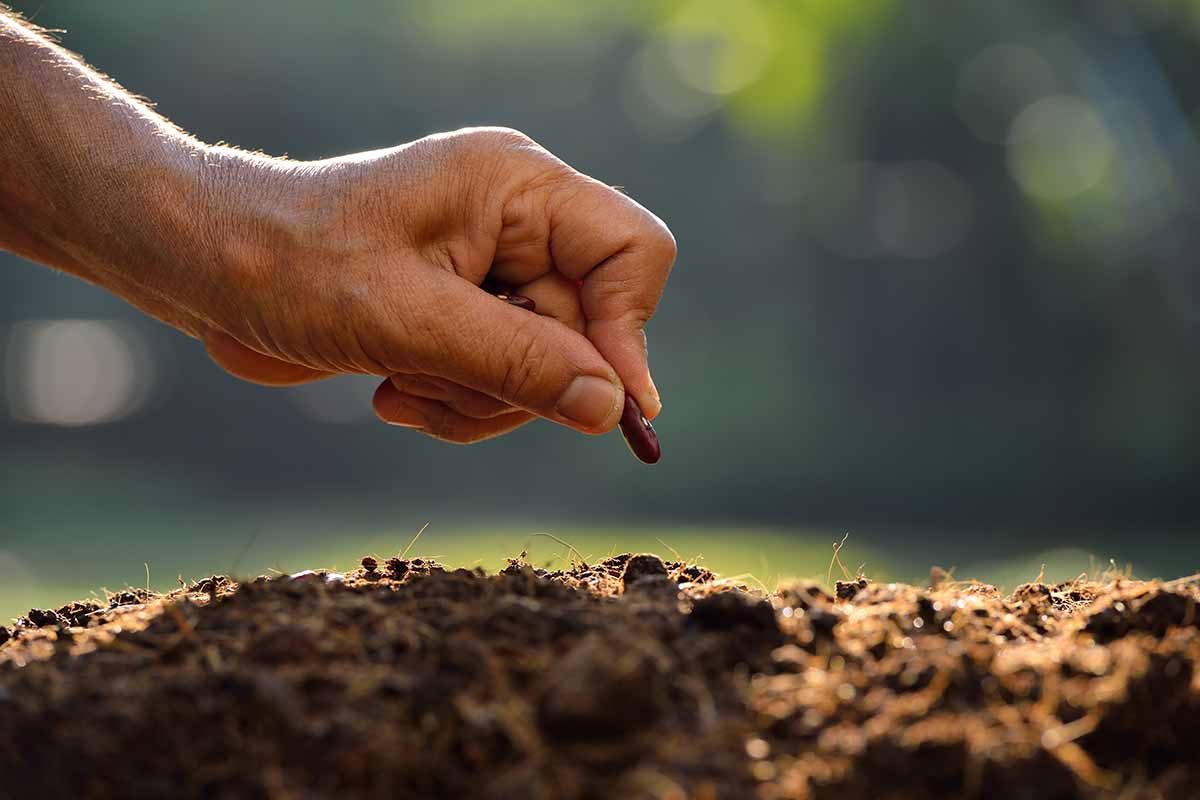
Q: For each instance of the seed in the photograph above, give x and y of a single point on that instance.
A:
(639, 433)
(518, 300)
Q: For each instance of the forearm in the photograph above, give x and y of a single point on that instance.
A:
(95, 183)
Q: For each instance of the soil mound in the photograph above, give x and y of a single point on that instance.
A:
(632, 678)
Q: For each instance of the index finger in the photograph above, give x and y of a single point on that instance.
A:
(623, 255)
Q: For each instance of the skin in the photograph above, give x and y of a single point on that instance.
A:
(293, 271)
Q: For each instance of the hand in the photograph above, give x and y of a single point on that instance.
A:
(371, 263)
(379, 266)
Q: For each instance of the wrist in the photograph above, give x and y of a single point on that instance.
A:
(221, 226)
(159, 218)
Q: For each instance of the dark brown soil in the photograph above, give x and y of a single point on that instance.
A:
(632, 678)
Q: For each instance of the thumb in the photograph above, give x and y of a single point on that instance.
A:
(527, 360)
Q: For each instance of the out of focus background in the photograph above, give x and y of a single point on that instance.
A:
(937, 288)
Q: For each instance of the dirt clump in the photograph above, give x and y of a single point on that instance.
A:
(632, 677)
(643, 565)
(846, 590)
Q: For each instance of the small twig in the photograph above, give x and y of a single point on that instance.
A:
(734, 580)
(413, 541)
(146, 564)
(837, 560)
(674, 552)
(570, 547)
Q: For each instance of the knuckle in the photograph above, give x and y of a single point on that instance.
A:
(505, 135)
(488, 140)
(670, 247)
(661, 242)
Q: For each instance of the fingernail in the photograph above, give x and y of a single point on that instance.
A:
(588, 401)
(655, 408)
(394, 411)
(406, 418)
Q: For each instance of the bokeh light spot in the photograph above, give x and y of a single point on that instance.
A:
(997, 84)
(658, 104)
(75, 372)
(719, 47)
(921, 209)
(1059, 147)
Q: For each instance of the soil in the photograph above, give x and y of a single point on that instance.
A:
(632, 678)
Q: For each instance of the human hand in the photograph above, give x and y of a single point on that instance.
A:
(370, 263)
(380, 267)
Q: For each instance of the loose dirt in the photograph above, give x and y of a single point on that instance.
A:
(630, 678)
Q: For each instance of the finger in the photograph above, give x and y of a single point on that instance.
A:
(237, 359)
(521, 255)
(438, 420)
(467, 402)
(623, 254)
(556, 296)
(553, 295)
(526, 360)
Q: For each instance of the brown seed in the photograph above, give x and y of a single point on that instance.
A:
(639, 433)
(518, 300)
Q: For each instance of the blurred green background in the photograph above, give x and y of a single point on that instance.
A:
(936, 288)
